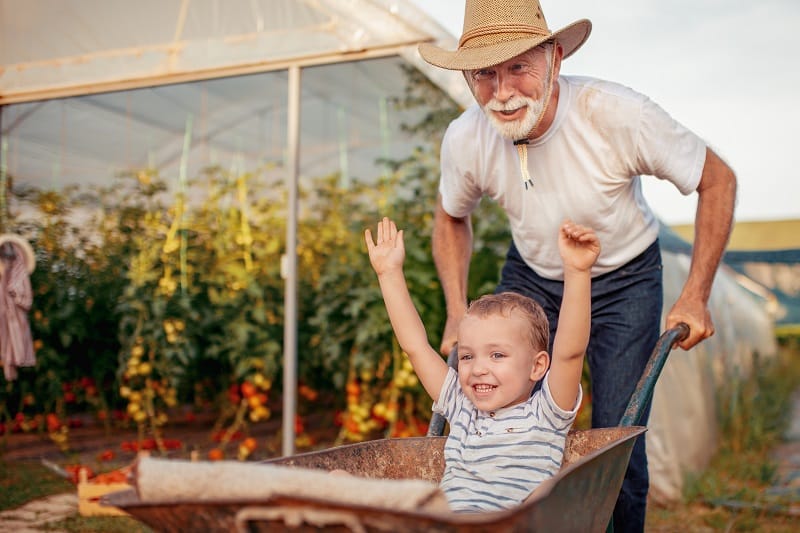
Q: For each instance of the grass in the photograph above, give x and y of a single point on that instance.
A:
(99, 524)
(23, 481)
(732, 493)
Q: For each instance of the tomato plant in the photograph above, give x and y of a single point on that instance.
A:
(151, 296)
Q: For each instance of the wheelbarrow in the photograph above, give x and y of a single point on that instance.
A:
(580, 497)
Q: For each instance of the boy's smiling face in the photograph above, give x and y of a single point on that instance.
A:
(497, 365)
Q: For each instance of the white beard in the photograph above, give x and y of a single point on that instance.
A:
(518, 129)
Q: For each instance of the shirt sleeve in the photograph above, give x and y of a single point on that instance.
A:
(562, 415)
(445, 405)
(669, 150)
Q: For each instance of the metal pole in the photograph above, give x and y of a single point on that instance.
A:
(3, 177)
(290, 265)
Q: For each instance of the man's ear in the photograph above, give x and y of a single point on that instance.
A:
(541, 362)
(558, 51)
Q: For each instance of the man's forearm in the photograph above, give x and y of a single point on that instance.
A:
(452, 250)
(715, 204)
(713, 222)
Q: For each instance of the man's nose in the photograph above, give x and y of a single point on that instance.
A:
(504, 88)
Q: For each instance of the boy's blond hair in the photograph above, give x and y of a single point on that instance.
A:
(505, 303)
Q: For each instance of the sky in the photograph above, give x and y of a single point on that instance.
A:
(727, 69)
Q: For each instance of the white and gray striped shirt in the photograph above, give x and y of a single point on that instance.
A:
(494, 460)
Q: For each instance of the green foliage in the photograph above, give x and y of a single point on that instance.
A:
(73, 318)
(421, 93)
(753, 413)
(204, 289)
(23, 481)
(753, 409)
(174, 296)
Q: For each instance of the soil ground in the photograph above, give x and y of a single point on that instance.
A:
(88, 442)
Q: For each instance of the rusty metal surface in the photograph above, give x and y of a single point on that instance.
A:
(579, 498)
(415, 457)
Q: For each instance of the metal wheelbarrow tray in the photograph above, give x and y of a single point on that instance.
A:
(579, 498)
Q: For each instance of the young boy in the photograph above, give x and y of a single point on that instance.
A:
(503, 441)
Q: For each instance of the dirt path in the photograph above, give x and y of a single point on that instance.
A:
(34, 516)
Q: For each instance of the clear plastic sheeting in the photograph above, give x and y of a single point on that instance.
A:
(683, 426)
(348, 122)
(115, 66)
(52, 49)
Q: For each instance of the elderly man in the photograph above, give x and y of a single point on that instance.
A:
(548, 147)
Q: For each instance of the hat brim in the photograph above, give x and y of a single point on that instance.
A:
(570, 37)
(27, 249)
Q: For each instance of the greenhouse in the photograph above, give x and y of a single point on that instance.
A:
(194, 176)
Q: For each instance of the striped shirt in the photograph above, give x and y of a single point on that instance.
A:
(494, 460)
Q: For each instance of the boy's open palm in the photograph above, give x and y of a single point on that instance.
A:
(578, 245)
(388, 252)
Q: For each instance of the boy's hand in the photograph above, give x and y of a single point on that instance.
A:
(389, 252)
(578, 245)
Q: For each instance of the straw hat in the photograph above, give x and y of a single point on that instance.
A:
(498, 30)
(29, 256)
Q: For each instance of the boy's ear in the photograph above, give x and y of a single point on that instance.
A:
(541, 362)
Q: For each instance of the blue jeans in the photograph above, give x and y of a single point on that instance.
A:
(626, 321)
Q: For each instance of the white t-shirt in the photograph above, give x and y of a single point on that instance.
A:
(586, 167)
(494, 460)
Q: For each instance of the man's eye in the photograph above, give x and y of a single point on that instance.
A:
(483, 74)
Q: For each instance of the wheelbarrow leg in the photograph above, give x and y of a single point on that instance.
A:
(436, 426)
(643, 392)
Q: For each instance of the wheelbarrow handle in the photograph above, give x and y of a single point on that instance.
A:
(647, 382)
(436, 426)
(294, 516)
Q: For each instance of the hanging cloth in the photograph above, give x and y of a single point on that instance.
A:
(17, 262)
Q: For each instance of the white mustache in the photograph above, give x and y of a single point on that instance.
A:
(516, 102)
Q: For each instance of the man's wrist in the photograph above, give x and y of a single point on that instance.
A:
(456, 308)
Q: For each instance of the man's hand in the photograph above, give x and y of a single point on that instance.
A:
(695, 314)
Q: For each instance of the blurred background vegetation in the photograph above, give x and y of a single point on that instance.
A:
(149, 300)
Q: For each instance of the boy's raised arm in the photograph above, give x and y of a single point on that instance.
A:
(579, 248)
(386, 256)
